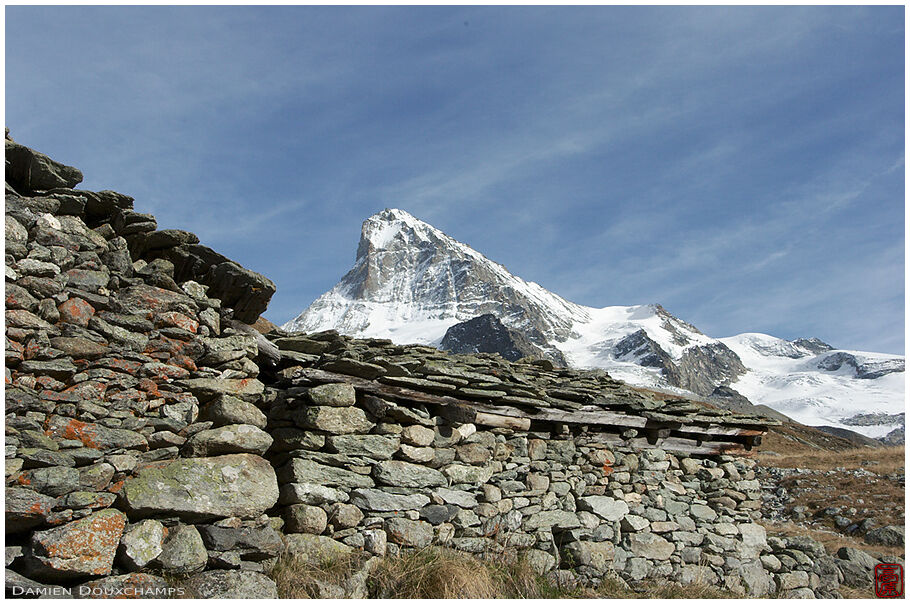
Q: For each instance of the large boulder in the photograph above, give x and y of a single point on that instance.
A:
(203, 488)
(887, 535)
(83, 548)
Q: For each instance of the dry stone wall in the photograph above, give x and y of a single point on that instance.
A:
(134, 441)
(151, 433)
(359, 472)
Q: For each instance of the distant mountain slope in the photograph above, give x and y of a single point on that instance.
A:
(411, 282)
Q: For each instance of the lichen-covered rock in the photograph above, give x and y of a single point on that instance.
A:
(304, 470)
(302, 518)
(650, 546)
(229, 410)
(315, 549)
(403, 474)
(240, 485)
(82, 548)
(183, 551)
(26, 509)
(333, 395)
(231, 584)
(236, 438)
(380, 501)
(334, 420)
(606, 507)
(141, 544)
(414, 533)
(95, 436)
(586, 553)
(375, 446)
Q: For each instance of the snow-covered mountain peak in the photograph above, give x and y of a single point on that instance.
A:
(411, 282)
(393, 229)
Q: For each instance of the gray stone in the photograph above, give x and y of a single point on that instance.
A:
(887, 535)
(380, 501)
(306, 471)
(205, 389)
(460, 498)
(417, 436)
(310, 494)
(132, 585)
(141, 544)
(650, 546)
(605, 507)
(549, 519)
(463, 474)
(199, 488)
(420, 455)
(315, 549)
(229, 410)
(236, 438)
(302, 518)
(334, 420)
(757, 581)
(375, 541)
(232, 584)
(792, 580)
(404, 474)
(539, 561)
(633, 523)
(28, 170)
(414, 533)
(54, 481)
(333, 395)
(702, 512)
(183, 551)
(374, 446)
(858, 556)
(586, 553)
(252, 542)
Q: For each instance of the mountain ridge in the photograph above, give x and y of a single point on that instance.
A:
(411, 282)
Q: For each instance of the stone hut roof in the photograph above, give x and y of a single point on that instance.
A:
(527, 395)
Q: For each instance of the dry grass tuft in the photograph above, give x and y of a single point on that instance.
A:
(299, 578)
(436, 572)
(441, 573)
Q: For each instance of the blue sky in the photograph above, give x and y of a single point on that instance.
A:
(742, 166)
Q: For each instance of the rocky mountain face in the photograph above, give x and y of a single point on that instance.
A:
(486, 333)
(411, 283)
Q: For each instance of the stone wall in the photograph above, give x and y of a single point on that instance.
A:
(151, 432)
(133, 436)
(357, 472)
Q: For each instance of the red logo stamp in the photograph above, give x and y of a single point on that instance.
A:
(889, 581)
